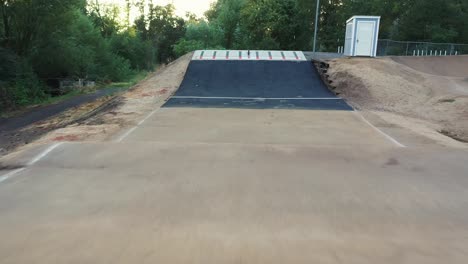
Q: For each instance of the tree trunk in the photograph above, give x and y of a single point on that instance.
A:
(6, 22)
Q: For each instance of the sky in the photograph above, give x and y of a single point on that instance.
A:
(182, 6)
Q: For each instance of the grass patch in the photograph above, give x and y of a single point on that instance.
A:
(136, 78)
(60, 98)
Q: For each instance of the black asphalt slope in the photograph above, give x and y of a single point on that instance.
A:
(255, 85)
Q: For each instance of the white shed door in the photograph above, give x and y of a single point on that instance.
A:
(364, 38)
(349, 40)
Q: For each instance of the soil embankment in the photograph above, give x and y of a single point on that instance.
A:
(431, 89)
(130, 108)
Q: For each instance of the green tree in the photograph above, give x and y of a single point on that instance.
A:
(163, 28)
(200, 35)
(27, 21)
(105, 17)
(44, 39)
(140, 53)
(435, 20)
(271, 24)
(228, 19)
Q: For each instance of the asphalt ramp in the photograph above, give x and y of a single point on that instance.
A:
(255, 84)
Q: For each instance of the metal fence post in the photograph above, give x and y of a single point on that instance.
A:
(389, 47)
(317, 13)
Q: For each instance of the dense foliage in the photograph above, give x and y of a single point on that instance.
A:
(42, 40)
(288, 24)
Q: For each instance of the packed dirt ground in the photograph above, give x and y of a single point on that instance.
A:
(418, 93)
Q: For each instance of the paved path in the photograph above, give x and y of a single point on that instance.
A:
(12, 133)
(219, 185)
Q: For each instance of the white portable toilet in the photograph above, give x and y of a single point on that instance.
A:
(362, 34)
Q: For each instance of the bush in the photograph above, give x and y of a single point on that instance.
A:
(129, 45)
(200, 35)
(25, 88)
(114, 68)
(8, 64)
(184, 46)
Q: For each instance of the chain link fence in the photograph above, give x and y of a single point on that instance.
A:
(387, 47)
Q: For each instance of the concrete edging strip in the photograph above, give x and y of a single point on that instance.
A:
(255, 98)
(262, 55)
(131, 130)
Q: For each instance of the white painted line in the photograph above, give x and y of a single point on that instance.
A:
(394, 141)
(30, 163)
(147, 117)
(196, 55)
(44, 154)
(130, 131)
(267, 55)
(10, 174)
(120, 139)
(276, 55)
(220, 55)
(255, 98)
(301, 56)
(248, 55)
(263, 54)
(208, 54)
(290, 55)
(234, 55)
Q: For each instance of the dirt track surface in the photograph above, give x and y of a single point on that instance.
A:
(398, 93)
(449, 66)
(195, 185)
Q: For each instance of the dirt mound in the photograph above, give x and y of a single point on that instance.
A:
(133, 105)
(451, 66)
(383, 85)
